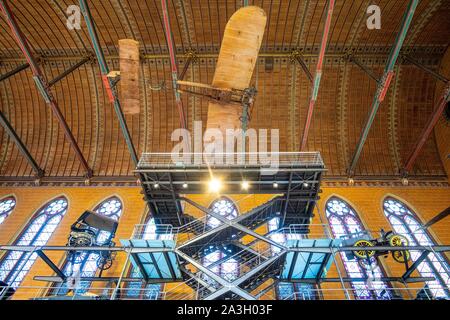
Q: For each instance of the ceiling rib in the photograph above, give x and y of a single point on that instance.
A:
(383, 85)
(41, 83)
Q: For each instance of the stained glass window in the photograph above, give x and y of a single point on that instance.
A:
(345, 223)
(6, 206)
(405, 222)
(15, 264)
(87, 262)
(229, 269)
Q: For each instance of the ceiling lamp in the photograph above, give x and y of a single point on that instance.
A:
(214, 185)
(245, 185)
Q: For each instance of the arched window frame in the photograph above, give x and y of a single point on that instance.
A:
(340, 227)
(436, 262)
(37, 232)
(7, 205)
(88, 267)
(228, 270)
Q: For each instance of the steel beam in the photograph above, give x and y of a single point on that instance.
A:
(432, 248)
(296, 56)
(103, 279)
(69, 71)
(108, 82)
(414, 266)
(423, 137)
(50, 263)
(426, 69)
(364, 68)
(318, 75)
(13, 72)
(20, 145)
(191, 57)
(437, 218)
(384, 83)
(173, 63)
(233, 223)
(41, 82)
(348, 279)
(89, 249)
(235, 284)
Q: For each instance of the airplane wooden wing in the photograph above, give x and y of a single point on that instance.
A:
(129, 76)
(237, 58)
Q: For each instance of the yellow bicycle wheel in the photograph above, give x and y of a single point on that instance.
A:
(399, 241)
(363, 253)
(400, 256)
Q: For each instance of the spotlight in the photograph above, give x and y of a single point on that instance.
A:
(275, 185)
(214, 185)
(245, 185)
(156, 186)
(305, 184)
(185, 185)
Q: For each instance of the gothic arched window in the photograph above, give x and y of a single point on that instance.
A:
(15, 264)
(405, 222)
(345, 223)
(87, 264)
(229, 269)
(6, 207)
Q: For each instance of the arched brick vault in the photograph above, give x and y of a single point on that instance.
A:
(344, 98)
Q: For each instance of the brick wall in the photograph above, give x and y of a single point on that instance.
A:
(426, 202)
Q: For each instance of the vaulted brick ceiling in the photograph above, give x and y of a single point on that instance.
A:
(344, 99)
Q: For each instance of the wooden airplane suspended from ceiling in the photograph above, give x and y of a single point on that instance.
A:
(230, 95)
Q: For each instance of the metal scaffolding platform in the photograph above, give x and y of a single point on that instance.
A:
(294, 175)
(161, 265)
(307, 265)
(177, 248)
(165, 255)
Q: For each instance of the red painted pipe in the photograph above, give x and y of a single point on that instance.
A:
(173, 62)
(41, 82)
(427, 130)
(318, 75)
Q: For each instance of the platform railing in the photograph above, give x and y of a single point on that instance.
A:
(410, 293)
(154, 232)
(231, 159)
(184, 292)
